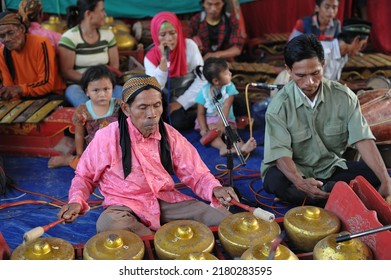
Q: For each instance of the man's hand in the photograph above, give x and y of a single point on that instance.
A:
(69, 212)
(10, 93)
(225, 194)
(385, 188)
(312, 187)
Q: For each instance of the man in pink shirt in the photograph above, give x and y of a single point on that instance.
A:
(132, 162)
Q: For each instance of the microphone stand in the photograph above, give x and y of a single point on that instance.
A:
(167, 55)
(231, 138)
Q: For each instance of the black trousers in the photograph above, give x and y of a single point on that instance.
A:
(276, 183)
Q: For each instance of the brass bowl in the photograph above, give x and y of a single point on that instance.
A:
(114, 245)
(329, 249)
(180, 237)
(44, 249)
(240, 231)
(261, 252)
(125, 41)
(119, 25)
(54, 23)
(306, 225)
(197, 256)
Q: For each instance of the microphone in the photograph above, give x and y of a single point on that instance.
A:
(167, 54)
(266, 86)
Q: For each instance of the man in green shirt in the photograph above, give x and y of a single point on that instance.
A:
(309, 124)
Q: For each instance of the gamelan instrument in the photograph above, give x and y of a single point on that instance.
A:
(306, 225)
(50, 248)
(329, 249)
(197, 256)
(125, 40)
(179, 237)
(26, 111)
(367, 66)
(375, 106)
(39, 231)
(238, 232)
(257, 212)
(262, 251)
(56, 24)
(114, 245)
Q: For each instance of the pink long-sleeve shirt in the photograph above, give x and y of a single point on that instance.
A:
(101, 166)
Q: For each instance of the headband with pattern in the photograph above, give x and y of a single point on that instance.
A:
(9, 18)
(138, 83)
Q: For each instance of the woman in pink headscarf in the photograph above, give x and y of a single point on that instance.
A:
(174, 68)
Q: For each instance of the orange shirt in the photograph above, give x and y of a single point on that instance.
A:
(36, 68)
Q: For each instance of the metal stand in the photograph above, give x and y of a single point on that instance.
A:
(231, 139)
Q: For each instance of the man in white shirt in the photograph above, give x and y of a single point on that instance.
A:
(352, 40)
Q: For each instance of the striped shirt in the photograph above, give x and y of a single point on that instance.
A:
(88, 54)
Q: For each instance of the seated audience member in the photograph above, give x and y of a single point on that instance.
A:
(323, 23)
(132, 162)
(28, 62)
(32, 15)
(100, 110)
(216, 31)
(352, 40)
(86, 44)
(175, 73)
(309, 125)
(216, 72)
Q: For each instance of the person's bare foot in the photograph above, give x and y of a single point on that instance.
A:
(58, 161)
(249, 146)
(223, 151)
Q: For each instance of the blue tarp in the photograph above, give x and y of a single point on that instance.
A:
(124, 8)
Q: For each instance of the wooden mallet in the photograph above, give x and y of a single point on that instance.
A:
(38, 231)
(257, 212)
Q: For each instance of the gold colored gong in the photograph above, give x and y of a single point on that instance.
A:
(114, 245)
(50, 248)
(262, 251)
(197, 256)
(118, 24)
(238, 232)
(329, 249)
(182, 236)
(125, 41)
(306, 225)
(55, 24)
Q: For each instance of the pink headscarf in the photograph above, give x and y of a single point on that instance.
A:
(178, 65)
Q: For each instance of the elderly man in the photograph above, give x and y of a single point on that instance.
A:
(309, 124)
(27, 62)
(132, 162)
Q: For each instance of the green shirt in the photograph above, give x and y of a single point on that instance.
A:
(315, 138)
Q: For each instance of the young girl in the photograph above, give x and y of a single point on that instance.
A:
(216, 72)
(100, 110)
